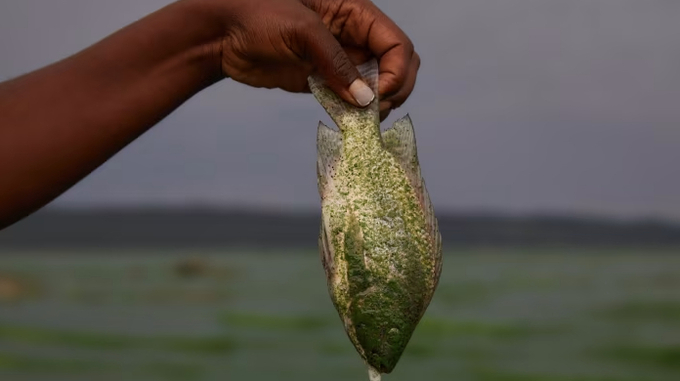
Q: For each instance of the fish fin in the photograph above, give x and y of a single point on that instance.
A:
(328, 147)
(370, 71)
(326, 255)
(340, 111)
(436, 237)
(400, 140)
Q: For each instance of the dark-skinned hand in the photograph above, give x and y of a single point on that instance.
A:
(59, 123)
(278, 43)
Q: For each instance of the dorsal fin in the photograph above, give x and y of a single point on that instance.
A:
(400, 141)
(340, 111)
(329, 147)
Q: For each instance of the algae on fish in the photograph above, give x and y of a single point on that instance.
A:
(379, 241)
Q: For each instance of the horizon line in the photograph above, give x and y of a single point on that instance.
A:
(304, 211)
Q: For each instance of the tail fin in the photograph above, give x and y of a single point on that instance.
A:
(343, 113)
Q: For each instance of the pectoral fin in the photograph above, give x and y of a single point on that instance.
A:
(400, 140)
(327, 259)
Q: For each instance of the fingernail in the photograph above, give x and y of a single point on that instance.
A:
(361, 92)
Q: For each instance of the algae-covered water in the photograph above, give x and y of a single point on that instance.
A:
(498, 315)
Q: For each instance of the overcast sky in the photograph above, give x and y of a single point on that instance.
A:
(523, 106)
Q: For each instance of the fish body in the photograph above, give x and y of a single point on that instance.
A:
(379, 241)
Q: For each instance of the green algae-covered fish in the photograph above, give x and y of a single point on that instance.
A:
(380, 243)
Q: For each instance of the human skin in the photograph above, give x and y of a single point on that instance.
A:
(61, 122)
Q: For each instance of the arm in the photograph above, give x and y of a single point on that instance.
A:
(61, 122)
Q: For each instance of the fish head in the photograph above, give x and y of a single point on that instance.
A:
(381, 333)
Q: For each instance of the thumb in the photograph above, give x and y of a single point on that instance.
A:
(334, 66)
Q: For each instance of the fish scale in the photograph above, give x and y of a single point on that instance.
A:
(379, 240)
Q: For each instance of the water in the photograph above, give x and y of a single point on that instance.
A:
(498, 315)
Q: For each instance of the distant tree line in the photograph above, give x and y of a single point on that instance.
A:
(204, 228)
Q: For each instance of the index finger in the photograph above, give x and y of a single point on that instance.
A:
(394, 51)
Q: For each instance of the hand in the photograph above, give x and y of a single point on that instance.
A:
(278, 43)
(123, 85)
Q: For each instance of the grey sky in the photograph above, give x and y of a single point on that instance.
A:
(520, 106)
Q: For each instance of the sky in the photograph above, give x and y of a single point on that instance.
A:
(523, 106)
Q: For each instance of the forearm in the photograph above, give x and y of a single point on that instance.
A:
(60, 123)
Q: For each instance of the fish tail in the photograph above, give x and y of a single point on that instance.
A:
(345, 114)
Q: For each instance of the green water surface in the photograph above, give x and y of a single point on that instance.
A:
(498, 315)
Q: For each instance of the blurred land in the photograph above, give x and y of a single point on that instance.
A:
(119, 228)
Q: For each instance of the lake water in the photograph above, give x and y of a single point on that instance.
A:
(498, 315)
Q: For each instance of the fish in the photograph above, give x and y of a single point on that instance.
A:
(379, 239)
